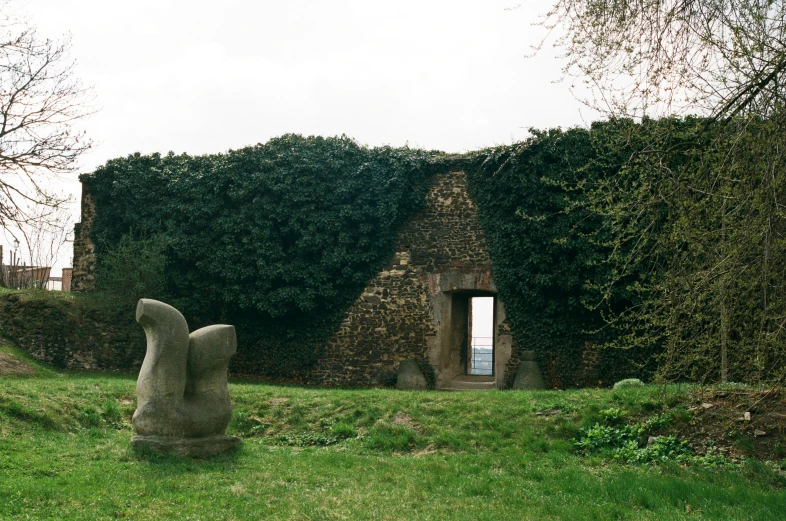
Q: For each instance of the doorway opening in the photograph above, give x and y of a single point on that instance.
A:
(480, 327)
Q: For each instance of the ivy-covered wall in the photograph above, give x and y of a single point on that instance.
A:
(404, 311)
(309, 245)
(548, 246)
(277, 239)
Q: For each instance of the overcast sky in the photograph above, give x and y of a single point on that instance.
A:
(203, 77)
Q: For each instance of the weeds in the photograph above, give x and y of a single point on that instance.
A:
(634, 443)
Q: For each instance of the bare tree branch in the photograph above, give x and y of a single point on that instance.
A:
(41, 100)
(655, 57)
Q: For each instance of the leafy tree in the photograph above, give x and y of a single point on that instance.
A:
(696, 210)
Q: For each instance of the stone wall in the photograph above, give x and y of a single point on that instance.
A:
(71, 334)
(413, 307)
(83, 275)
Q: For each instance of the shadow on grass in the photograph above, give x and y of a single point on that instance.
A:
(183, 464)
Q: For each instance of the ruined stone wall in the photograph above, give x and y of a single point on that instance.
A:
(401, 312)
(440, 249)
(83, 276)
(71, 334)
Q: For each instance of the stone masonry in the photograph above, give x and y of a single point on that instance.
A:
(416, 307)
(83, 275)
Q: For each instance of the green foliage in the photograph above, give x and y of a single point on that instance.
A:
(278, 238)
(547, 244)
(134, 268)
(694, 218)
(633, 443)
(654, 238)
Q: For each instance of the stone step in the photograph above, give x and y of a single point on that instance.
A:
(473, 378)
(472, 383)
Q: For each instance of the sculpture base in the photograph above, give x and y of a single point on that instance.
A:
(194, 447)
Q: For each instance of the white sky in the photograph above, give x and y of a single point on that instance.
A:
(483, 318)
(206, 76)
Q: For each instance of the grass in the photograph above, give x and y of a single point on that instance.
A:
(313, 454)
(36, 369)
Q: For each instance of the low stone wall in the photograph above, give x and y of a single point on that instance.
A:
(70, 334)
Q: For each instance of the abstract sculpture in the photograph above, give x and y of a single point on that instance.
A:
(183, 404)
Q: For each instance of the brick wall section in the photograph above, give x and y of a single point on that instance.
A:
(392, 320)
(83, 275)
(65, 284)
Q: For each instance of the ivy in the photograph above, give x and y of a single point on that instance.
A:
(277, 238)
(648, 241)
(546, 244)
(652, 241)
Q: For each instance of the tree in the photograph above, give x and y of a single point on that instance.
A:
(41, 100)
(698, 205)
(654, 57)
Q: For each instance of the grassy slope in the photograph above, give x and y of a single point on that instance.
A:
(335, 454)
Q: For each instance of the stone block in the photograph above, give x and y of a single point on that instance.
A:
(410, 377)
(528, 375)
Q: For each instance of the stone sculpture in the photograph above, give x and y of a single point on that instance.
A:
(528, 375)
(183, 403)
(410, 377)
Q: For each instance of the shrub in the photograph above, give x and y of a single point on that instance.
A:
(628, 383)
(134, 268)
(633, 443)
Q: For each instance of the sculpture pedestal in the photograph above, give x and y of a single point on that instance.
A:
(194, 447)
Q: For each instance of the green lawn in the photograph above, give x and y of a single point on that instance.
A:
(312, 454)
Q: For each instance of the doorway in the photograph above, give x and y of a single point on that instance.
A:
(480, 329)
(451, 350)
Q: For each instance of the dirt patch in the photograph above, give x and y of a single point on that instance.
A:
(738, 423)
(405, 420)
(12, 366)
(427, 451)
